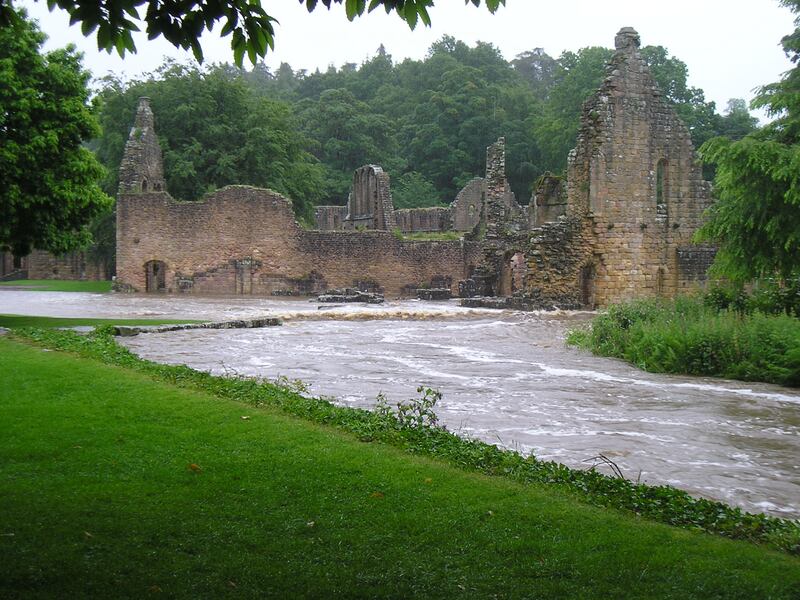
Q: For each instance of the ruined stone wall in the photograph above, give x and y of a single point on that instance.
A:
(244, 240)
(370, 203)
(548, 201)
(466, 208)
(634, 179)
(330, 218)
(10, 267)
(560, 263)
(40, 264)
(74, 265)
(436, 218)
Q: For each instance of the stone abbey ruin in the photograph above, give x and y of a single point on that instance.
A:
(619, 226)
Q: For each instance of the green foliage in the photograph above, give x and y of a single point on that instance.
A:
(578, 75)
(416, 413)
(412, 427)
(724, 334)
(756, 221)
(756, 218)
(412, 189)
(183, 23)
(347, 135)
(429, 236)
(426, 122)
(214, 131)
(48, 180)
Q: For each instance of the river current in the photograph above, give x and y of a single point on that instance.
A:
(506, 377)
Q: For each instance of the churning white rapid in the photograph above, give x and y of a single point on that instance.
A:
(507, 378)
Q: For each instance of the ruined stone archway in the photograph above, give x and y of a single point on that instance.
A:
(155, 276)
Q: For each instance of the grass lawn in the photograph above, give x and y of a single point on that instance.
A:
(114, 485)
(59, 285)
(15, 321)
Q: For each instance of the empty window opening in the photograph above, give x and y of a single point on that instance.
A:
(661, 191)
(587, 286)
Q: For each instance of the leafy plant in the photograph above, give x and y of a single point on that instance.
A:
(416, 413)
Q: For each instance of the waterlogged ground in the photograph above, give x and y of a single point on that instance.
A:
(506, 377)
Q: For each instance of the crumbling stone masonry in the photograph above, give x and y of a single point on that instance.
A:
(370, 182)
(142, 168)
(623, 228)
(619, 227)
(244, 240)
(634, 181)
(40, 264)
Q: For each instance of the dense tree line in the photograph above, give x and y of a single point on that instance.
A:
(427, 122)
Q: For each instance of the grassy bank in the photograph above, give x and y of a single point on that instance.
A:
(130, 486)
(59, 285)
(19, 321)
(694, 337)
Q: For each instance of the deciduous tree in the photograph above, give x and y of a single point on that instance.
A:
(756, 218)
(48, 181)
(182, 22)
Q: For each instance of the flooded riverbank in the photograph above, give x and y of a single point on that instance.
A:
(507, 378)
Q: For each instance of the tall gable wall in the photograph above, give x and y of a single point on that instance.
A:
(635, 184)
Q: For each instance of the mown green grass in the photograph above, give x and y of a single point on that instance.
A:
(689, 337)
(18, 321)
(59, 285)
(115, 485)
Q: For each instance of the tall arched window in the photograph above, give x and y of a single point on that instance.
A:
(661, 189)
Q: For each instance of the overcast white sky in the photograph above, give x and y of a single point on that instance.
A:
(730, 46)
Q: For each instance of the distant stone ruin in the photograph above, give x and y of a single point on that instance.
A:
(619, 226)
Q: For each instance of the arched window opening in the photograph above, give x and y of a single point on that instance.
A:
(144, 185)
(661, 189)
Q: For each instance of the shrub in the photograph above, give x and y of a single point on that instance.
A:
(695, 336)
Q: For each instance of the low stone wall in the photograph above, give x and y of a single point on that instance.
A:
(436, 218)
(75, 265)
(330, 218)
(43, 265)
(244, 240)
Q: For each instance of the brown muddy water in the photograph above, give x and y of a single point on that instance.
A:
(506, 378)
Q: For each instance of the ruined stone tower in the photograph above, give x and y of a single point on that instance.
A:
(635, 194)
(141, 169)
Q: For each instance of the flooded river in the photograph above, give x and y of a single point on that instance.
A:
(506, 377)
